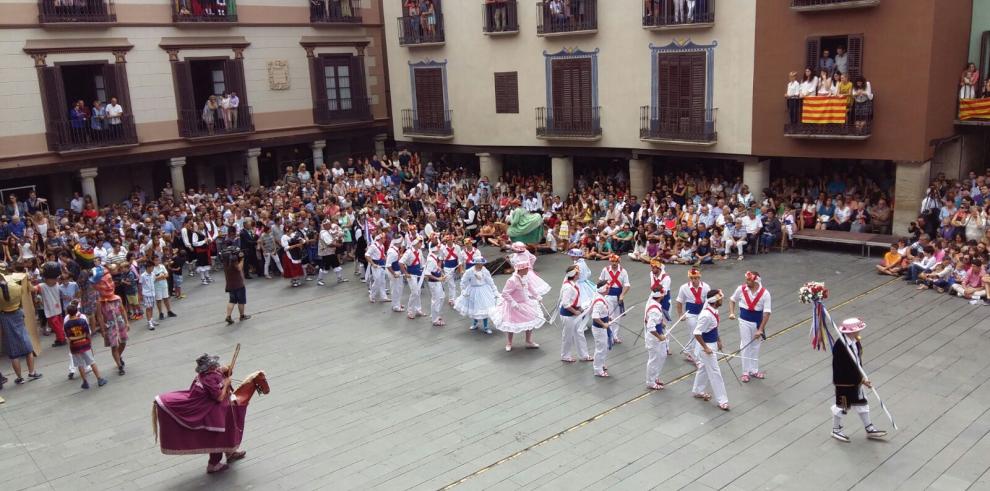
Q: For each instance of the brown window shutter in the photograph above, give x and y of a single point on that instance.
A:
(585, 88)
(318, 88)
(122, 90)
(507, 92)
(855, 55)
(233, 73)
(429, 95)
(184, 97)
(55, 106)
(814, 51)
(984, 64)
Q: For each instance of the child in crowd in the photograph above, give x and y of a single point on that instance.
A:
(175, 268)
(147, 282)
(68, 290)
(51, 300)
(80, 344)
(161, 288)
(129, 286)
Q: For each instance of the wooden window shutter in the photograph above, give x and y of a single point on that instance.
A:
(585, 88)
(109, 83)
(855, 55)
(814, 51)
(698, 73)
(233, 75)
(358, 85)
(185, 98)
(54, 103)
(984, 64)
(429, 95)
(318, 87)
(507, 92)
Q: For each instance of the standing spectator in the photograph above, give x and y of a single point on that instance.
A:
(77, 121)
(234, 110)
(147, 281)
(499, 14)
(225, 109)
(793, 96)
(209, 115)
(809, 83)
(841, 60)
(51, 300)
(97, 121)
(968, 82)
(862, 103)
(81, 344)
(233, 267)
(826, 65)
(249, 247)
(114, 116)
(16, 343)
(161, 288)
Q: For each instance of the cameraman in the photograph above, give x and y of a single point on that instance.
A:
(233, 271)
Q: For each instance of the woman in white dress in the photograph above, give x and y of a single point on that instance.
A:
(478, 294)
(518, 308)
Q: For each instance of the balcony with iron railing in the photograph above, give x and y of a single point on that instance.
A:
(569, 123)
(334, 12)
(845, 120)
(67, 135)
(204, 11)
(75, 11)
(662, 15)
(691, 126)
(205, 124)
(341, 111)
(433, 125)
(558, 18)
(814, 5)
(500, 17)
(421, 30)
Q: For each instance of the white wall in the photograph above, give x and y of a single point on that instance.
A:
(624, 72)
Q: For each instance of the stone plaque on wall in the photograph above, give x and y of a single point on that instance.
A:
(278, 75)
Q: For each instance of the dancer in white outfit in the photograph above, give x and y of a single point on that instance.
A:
(376, 263)
(691, 299)
(754, 313)
(655, 336)
(395, 273)
(618, 285)
(706, 335)
(411, 264)
(536, 283)
(450, 255)
(434, 279)
(478, 294)
(573, 315)
(601, 329)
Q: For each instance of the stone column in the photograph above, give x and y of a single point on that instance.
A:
(640, 177)
(756, 175)
(254, 175)
(88, 176)
(176, 164)
(910, 183)
(380, 144)
(562, 175)
(317, 147)
(491, 166)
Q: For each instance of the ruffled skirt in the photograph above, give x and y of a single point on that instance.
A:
(520, 317)
(475, 302)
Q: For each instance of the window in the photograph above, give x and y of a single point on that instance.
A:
(75, 97)
(337, 77)
(338, 88)
(507, 92)
(211, 96)
(681, 86)
(429, 95)
(571, 90)
(851, 44)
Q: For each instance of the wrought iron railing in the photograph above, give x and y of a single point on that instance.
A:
(569, 122)
(216, 122)
(831, 4)
(500, 16)
(675, 123)
(51, 11)
(330, 111)
(334, 12)
(433, 123)
(856, 124)
(194, 11)
(668, 13)
(557, 17)
(85, 133)
(421, 29)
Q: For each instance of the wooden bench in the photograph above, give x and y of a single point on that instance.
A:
(866, 241)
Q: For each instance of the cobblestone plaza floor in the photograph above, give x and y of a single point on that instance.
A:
(365, 399)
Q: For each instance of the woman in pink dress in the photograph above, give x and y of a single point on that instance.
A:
(518, 308)
(520, 251)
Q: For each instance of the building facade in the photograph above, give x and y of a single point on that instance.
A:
(304, 82)
(612, 81)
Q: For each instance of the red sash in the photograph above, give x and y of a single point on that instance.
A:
(415, 258)
(614, 281)
(715, 314)
(381, 250)
(657, 280)
(697, 294)
(597, 300)
(577, 295)
(646, 315)
(469, 257)
(752, 302)
(450, 254)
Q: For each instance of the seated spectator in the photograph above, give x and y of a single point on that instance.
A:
(891, 264)
(938, 277)
(753, 226)
(771, 231)
(971, 287)
(841, 216)
(735, 235)
(920, 265)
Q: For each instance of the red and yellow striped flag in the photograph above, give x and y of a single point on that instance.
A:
(823, 110)
(974, 109)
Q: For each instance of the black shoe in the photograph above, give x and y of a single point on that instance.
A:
(19, 380)
(171, 314)
(161, 316)
(248, 277)
(874, 433)
(85, 385)
(839, 435)
(34, 376)
(120, 371)
(229, 321)
(244, 317)
(72, 376)
(122, 363)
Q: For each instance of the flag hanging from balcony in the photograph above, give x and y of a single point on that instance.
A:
(823, 110)
(974, 109)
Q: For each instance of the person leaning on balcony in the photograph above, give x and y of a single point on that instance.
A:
(968, 82)
(498, 10)
(77, 120)
(225, 109)
(862, 102)
(114, 115)
(841, 60)
(235, 104)
(844, 89)
(809, 83)
(793, 96)
(97, 119)
(824, 83)
(209, 115)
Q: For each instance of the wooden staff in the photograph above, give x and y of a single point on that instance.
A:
(233, 360)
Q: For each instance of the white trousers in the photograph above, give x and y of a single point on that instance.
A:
(397, 284)
(656, 352)
(572, 336)
(746, 332)
(739, 243)
(613, 312)
(678, 10)
(269, 258)
(378, 283)
(436, 299)
(415, 303)
(690, 10)
(692, 344)
(601, 348)
(960, 289)
(450, 284)
(709, 373)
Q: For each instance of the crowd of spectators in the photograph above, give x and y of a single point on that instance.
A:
(831, 78)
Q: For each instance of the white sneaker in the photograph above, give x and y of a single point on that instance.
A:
(321, 283)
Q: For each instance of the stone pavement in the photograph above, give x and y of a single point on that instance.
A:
(365, 399)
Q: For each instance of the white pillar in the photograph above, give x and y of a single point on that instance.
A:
(756, 175)
(380, 144)
(254, 175)
(317, 147)
(562, 174)
(176, 164)
(88, 176)
(910, 183)
(491, 166)
(640, 177)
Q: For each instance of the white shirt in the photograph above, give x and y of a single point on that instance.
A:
(623, 277)
(474, 254)
(706, 321)
(114, 112)
(751, 225)
(685, 296)
(653, 315)
(809, 87)
(761, 305)
(570, 295)
(599, 310)
(842, 214)
(793, 89)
